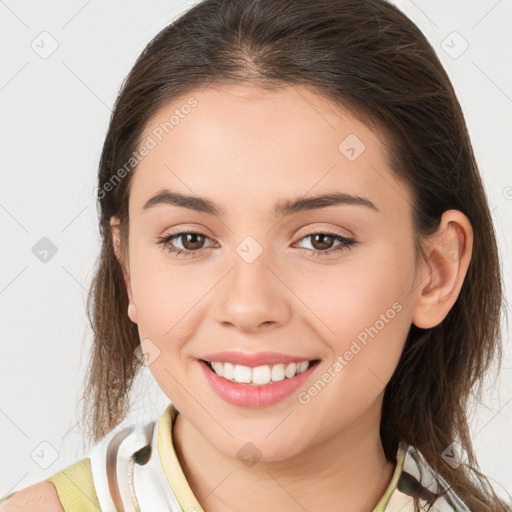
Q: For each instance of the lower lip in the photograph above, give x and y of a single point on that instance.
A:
(255, 397)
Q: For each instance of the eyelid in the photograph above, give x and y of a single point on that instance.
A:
(346, 233)
(179, 228)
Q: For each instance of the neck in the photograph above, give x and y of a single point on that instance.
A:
(349, 469)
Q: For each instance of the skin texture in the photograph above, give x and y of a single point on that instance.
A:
(40, 497)
(246, 149)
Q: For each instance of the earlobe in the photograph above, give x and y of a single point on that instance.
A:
(116, 243)
(448, 254)
(132, 312)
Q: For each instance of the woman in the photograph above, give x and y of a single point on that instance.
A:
(297, 242)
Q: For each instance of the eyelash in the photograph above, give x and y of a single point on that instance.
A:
(346, 243)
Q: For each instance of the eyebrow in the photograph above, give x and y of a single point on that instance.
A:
(285, 207)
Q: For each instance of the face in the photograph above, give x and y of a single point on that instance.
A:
(326, 280)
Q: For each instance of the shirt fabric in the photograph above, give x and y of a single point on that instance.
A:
(136, 469)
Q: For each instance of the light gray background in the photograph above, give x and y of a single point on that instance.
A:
(55, 112)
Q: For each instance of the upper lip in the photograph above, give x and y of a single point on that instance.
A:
(253, 360)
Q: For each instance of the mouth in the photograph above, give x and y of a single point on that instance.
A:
(253, 386)
(264, 375)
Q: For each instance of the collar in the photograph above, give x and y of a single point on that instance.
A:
(136, 469)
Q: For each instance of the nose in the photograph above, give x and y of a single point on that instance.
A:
(252, 296)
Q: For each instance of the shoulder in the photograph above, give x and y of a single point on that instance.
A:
(70, 489)
(40, 497)
(102, 479)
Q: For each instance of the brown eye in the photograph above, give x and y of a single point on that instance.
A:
(322, 241)
(192, 241)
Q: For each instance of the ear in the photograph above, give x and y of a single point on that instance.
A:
(448, 253)
(116, 242)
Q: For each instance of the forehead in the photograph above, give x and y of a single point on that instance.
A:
(247, 147)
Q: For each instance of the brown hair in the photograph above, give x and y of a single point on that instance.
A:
(367, 56)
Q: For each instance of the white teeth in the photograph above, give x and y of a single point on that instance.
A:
(303, 366)
(277, 372)
(291, 370)
(229, 370)
(260, 375)
(242, 374)
(218, 368)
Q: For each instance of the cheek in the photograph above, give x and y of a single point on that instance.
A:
(367, 323)
(170, 300)
(363, 314)
(354, 294)
(165, 292)
(166, 319)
